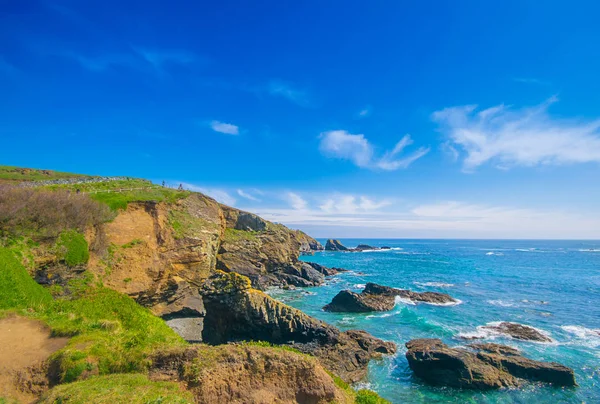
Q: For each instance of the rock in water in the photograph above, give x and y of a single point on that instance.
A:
(334, 245)
(364, 247)
(236, 312)
(518, 331)
(487, 366)
(381, 298)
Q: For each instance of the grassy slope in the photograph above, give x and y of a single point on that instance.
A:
(18, 174)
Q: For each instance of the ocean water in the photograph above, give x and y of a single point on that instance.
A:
(553, 286)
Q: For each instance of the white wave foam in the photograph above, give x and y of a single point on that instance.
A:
(435, 284)
(359, 286)
(498, 254)
(589, 250)
(501, 303)
(588, 337)
(399, 300)
(412, 253)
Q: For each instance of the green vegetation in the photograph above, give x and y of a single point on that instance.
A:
(185, 225)
(19, 174)
(133, 243)
(72, 248)
(110, 332)
(117, 194)
(118, 388)
(233, 235)
(369, 397)
(266, 344)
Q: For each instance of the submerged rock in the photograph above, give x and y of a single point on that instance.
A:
(381, 298)
(236, 312)
(518, 331)
(486, 366)
(335, 245)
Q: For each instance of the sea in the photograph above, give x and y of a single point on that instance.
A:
(553, 286)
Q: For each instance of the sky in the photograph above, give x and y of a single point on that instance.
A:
(380, 119)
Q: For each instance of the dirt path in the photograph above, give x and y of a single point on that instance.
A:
(24, 344)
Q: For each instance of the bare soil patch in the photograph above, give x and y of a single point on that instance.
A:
(25, 345)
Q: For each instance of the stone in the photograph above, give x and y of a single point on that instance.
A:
(334, 245)
(519, 331)
(482, 367)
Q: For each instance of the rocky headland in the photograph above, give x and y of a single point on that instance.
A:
(382, 298)
(480, 366)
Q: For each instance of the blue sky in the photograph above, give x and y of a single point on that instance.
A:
(468, 119)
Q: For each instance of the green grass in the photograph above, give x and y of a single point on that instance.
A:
(118, 388)
(110, 332)
(117, 199)
(369, 397)
(18, 174)
(233, 235)
(265, 344)
(185, 225)
(72, 248)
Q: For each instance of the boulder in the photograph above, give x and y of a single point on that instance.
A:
(334, 245)
(381, 298)
(483, 367)
(518, 331)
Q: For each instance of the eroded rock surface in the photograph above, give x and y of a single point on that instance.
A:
(334, 245)
(518, 331)
(484, 366)
(381, 298)
(237, 312)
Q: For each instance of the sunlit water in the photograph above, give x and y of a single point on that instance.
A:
(553, 286)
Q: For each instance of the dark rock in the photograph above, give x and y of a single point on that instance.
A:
(363, 247)
(311, 274)
(334, 245)
(236, 312)
(380, 298)
(491, 366)
(325, 270)
(386, 248)
(519, 331)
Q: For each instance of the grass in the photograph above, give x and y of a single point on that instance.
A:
(233, 235)
(110, 332)
(265, 344)
(72, 248)
(109, 193)
(185, 225)
(118, 388)
(18, 174)
(362, 396)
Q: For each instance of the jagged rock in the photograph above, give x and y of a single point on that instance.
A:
(236, 314)
(518, 331)
(334, 245)
(380, 298)
(307, 243)
(490, 366)
(240, 220)
(325, 270)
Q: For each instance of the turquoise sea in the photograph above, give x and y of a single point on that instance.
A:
(553, 286)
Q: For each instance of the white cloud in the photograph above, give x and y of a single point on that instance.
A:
(356, 148)
(219, 194)
(287, 91)
(247, 195)
(295, 201)
(349, 204)
(226, 128)
(363, 113)
(521, 137)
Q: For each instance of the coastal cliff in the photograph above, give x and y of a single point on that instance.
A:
(199, 265)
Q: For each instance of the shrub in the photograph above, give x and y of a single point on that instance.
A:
(45, 214)
(72, 248)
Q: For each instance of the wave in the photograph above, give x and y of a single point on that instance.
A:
(494, 253)
(589, 250)
(398, 300)
(501, 303)
(412, 253)
(411, 302)
(435, 284)
(383, 249)
(588, 337)
(359, 286)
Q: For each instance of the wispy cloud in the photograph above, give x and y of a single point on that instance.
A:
(356, 148)
(295, 201)
(226, 128)
(288, 91)
(365, 112)
(531, 80)
(351, 204)
(135, 58)
(519, 137)
(247, 195)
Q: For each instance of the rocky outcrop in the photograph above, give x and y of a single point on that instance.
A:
(235, 312)
(484, 366)
(381, 298)
(246, 373)
(364, 247)
(518, 331)
(334, 245)
(326, 270)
